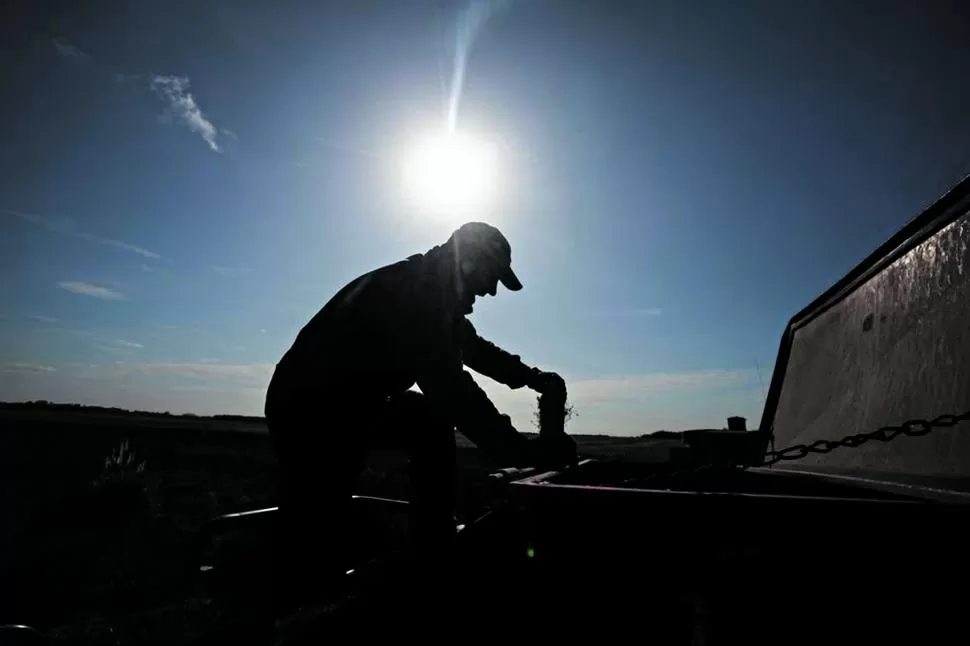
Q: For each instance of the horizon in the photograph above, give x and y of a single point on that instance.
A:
(675, 182)
(260, 418)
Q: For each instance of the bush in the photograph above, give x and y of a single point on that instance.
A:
(121, 486)
(119, 466)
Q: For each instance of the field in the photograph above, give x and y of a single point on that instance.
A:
(99, 511)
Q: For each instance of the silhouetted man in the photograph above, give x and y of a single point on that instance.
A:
(344, 385)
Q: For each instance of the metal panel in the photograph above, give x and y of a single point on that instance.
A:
(888, 343)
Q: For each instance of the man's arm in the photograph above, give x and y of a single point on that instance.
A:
(467, 406)
(486, 358)
(553, 446)
(455, 394)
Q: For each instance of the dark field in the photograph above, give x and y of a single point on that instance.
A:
(94, 554)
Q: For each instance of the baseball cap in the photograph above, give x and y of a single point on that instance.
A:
(485, 241)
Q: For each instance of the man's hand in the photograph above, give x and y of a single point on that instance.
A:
(548, 383)
(553, 448)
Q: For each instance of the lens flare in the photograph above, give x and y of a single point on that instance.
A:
(470, 24)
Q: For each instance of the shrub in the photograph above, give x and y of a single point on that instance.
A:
(120, 488)
(119, 466)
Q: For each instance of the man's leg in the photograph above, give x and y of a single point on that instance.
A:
(429, 440)
(318, 465)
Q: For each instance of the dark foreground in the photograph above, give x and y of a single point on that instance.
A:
(101, 554)
(96, 555)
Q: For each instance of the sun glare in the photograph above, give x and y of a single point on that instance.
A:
(451, 175)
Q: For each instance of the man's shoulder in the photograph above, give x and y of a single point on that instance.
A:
(403, 281)
(403, 291)
(391, 275)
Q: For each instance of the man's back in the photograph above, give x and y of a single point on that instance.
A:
(371, 335)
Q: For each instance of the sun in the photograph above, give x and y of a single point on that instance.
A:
(451, 175)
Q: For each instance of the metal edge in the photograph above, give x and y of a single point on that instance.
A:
(546, 476)
(213, 525)
(902, 488)
(709, 495)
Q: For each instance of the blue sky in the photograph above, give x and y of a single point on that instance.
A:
(185, 184)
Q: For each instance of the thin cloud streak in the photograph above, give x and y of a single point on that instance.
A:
(103, 343)
(174, 90)
(645, 311)
(118, 244)
(87, 289)
(67, 50)
(229, 272)
(256, 373)
(339, 146)
(18, 366)
(613, 388)
(636, 312)
(63, 227)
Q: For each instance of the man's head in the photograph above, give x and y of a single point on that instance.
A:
(483, 259)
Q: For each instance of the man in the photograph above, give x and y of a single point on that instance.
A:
(344, 386)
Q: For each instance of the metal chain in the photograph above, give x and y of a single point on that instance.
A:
(912, 428)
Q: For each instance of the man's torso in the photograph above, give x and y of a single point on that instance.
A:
(372, 336)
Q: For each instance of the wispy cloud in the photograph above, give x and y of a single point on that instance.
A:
(17, 366)
(123, 77)
(256, 373)
(87, 289)
(118, 244)
(155, 270)
(174, 90)
(118, 347)
(64, 227)
(632, 312)
(344, 147)
(645, 311)
(103, 342)
(613, 388)
(67, 50)
(42, 319)
(209, 371)
(229, 272)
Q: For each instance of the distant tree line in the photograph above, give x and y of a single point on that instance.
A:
(662, 435)
(43, 404)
